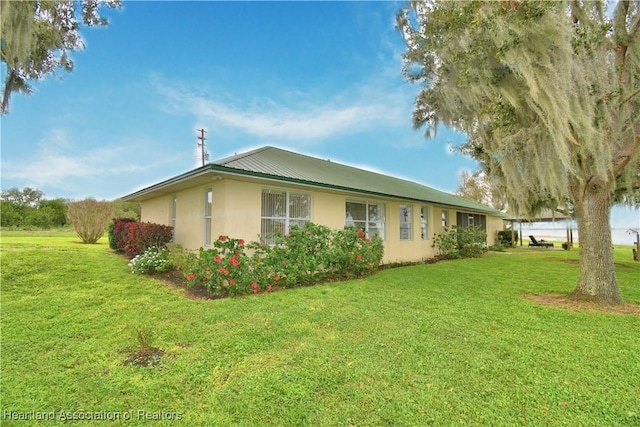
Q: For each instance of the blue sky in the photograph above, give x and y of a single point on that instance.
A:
(319, 78)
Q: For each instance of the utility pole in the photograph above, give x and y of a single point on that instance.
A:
(201, 144)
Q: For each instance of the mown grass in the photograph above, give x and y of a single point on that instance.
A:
(453, 343)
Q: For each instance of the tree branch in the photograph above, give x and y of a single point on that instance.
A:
(630, 96)
(629, 145)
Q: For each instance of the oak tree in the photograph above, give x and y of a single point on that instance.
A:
(548, 94)
(37, 37)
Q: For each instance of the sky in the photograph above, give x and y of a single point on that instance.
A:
(319, 78)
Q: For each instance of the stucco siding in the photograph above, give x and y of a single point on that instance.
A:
(156, 210)
(236, 212)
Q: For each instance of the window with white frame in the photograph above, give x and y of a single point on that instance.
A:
(424, 222)
(406, 219)
(370, 217)
(281, 210)
(208, 209)
(445, 218)
(172, 220)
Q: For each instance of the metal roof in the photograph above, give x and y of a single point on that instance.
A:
(277, 162)
(285, 166)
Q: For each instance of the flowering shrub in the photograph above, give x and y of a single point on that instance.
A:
(301, 256)
(306, 255)
(355, 254)
(223, 269)
(153, 260)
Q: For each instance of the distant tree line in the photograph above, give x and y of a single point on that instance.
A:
(27, 208)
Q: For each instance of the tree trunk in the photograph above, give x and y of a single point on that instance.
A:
(597, 281)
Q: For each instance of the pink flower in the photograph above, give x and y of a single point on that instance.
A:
(234, 261)
(308, 233)
(232, 281)
(277, 277)
(368, 240)
(241, 242)
(269, 288)
(224, 271)
(254, 285)
(256, 290)
(191, 276)
(217, 258)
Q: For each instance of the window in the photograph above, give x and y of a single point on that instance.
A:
(405, 222)
(465, 220)
(445, 218)
(424, 222)
(172, 220)
(281, 210)
(367, 216)
(208, 208)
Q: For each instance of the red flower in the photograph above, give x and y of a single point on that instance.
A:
(222, 238)
(232, 281)
(269, 288)
(241, 242)
(360, 232)
(224, 271)
(277, 277)
(256, 290)
(234, 261)
(254, 285)
(359, 257)
(217, 258)
(191, 276)
(368, 240)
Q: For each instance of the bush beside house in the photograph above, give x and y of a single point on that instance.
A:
(134, 238)
(469, 242)
(306, 255)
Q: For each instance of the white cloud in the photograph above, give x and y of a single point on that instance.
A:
(59, 162)
(370, 106)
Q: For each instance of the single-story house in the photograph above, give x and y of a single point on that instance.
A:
(268, 190)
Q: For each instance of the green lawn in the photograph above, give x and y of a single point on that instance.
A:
(453, 343)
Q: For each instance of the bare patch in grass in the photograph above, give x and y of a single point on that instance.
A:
(147, 357)
(563, 301)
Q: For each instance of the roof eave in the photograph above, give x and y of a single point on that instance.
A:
(194, 173)
(212, 168)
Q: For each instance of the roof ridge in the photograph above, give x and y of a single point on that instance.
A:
(304, 167)
(237, 156)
